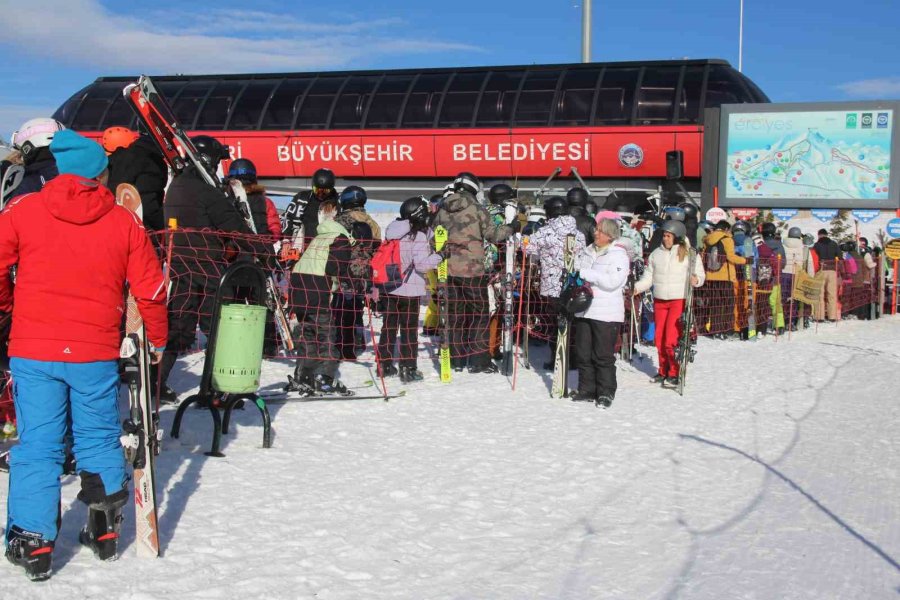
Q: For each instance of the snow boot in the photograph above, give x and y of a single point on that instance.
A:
(388, 369)
(604, 401)
(327, 385)
(30, 551)
(301, 382)
(410, 375)
(658, 378)
(583, 397)
(670, 382)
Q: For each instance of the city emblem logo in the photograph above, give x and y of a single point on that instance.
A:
(882, 120)
(851, 120)
(631, 156)
(867, 120)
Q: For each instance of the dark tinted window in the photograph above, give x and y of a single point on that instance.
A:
(119, 113)
(214, 113)
(314, 110)
(689, 103)
(656, 99)
(280, 113)
(459, 104)
(424, 99)
(498, 99)
(723, 87)
(188, 102)
(95, 104)
(351, 104)
(385, 107)
(65, 112)
(249, 106)
(756, 94)
(616, 97)
(536, 98)
(576, 97)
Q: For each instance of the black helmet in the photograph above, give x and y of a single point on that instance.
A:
(210, 151)
(466, 182)
(353, 196)
(414, 210)
(577, 298)
(500, 193)
(742, 226)
(555, 206)
(706, 226)
(323, 179)
(361, 231)
(768, 230)
(676, 228)
(242, 169)
(674, 213)
(586, 225)
(795, 232)
(690, 210)
(848, 246)
(577, 196)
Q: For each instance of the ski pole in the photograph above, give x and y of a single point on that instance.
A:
(378, 370)
(519, 317)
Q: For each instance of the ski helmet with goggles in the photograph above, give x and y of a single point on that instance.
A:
(674, 213)
(555, 206)
(323, 179)
(35, 133)
(500, 193)
(209, 150)
(414, 210)
(577, 196)
(768, 230)
(466, 182)
(741, 226)
(117, 137)
(676, 228)
(353, 197)
(243, 170)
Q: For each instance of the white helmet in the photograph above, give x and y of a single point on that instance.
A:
(35, 133)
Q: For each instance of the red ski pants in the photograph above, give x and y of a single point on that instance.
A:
(667, 315)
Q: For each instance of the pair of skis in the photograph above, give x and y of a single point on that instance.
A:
(685, 350)
(559, 386)
(511, 211)
(178, 151)
(142, 435)
(440, 240)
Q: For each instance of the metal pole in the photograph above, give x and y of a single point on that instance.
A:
(741, 41)
(586, 32)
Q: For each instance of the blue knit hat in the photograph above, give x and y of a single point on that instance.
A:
(77, 155)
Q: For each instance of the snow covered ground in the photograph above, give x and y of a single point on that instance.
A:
(776, 476)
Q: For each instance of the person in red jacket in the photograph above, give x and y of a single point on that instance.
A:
(73, 249)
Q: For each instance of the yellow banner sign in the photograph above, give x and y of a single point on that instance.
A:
(808, 289)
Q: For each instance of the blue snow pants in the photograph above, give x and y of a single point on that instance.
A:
(44, 392)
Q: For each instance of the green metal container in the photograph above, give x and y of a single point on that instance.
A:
(239, 347)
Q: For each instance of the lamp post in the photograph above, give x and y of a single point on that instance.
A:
(586, 31)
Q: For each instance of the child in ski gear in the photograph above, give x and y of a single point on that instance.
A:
(70, 364)
(666, 272)
(604, 266)
(401, 311)
(325, 260)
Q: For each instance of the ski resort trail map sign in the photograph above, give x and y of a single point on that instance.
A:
(824, 158)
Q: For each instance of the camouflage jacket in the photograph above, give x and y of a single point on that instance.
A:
(469, 226)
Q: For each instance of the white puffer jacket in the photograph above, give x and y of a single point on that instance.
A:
(606, 271)
(667, 274)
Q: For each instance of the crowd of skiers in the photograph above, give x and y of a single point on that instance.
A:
(330, 248)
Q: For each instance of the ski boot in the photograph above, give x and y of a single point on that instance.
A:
(101, 533)
(300, 382)
(30, 551)
(603, 401)
(327, 385)
(410, 375)
(388, 369)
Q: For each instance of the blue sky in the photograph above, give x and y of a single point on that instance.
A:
(796, 50)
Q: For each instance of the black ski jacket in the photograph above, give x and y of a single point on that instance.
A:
(142, 165)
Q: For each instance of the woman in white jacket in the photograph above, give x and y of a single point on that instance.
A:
(667, 271)
(604, 266)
